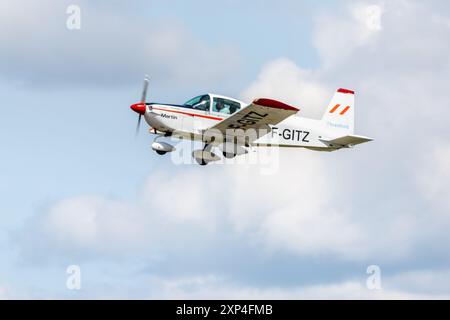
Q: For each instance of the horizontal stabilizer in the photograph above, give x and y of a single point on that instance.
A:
(346, 141)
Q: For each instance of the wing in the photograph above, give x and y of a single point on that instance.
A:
(252, 122)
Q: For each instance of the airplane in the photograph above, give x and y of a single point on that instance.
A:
(234, 126)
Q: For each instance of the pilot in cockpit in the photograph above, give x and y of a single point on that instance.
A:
(220, 108)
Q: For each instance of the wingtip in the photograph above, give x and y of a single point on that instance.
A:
(270, 103)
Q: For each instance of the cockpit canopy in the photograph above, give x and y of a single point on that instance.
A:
(200, 102)
(220, 104)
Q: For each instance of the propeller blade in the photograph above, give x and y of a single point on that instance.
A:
(143, 99)
(138, 126)
(144, 90)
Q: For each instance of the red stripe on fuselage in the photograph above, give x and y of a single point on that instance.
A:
(189, 114)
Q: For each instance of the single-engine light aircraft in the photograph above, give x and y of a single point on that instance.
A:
(234, 126)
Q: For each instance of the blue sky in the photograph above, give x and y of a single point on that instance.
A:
(77, 188)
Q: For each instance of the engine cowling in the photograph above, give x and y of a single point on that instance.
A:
(162, 147)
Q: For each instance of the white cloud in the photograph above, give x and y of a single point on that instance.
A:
(337, 36)
(3, 293)
(8, 292)
(170, 207)
(112, 47)
(83, 221)
(441, 20)
(284, 80)
(370, 16)
(195, 197)
(411, 285)
(309, 207)
(360, 49)
(239, 199)
(433, 176)
(305, 216)
(85, 226)
(425, 282)
(294, 209)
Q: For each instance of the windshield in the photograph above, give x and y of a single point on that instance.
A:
(200, 102)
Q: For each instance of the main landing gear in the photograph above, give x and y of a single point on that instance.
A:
(205, 156)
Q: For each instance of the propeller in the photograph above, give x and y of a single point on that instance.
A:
(141, 106)
(138, 126)
(144, 90)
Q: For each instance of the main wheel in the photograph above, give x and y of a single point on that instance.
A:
(228, 155)
(201, 161)
(161, 153)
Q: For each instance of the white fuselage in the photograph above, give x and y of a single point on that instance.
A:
(190, 123)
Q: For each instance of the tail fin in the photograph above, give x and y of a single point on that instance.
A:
(340, 113)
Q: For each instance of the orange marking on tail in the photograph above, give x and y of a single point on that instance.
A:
(345, 110)
(334, 108)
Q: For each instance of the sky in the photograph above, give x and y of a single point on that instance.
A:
(77, 188)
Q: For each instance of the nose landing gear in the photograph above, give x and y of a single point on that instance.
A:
(162, 148)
